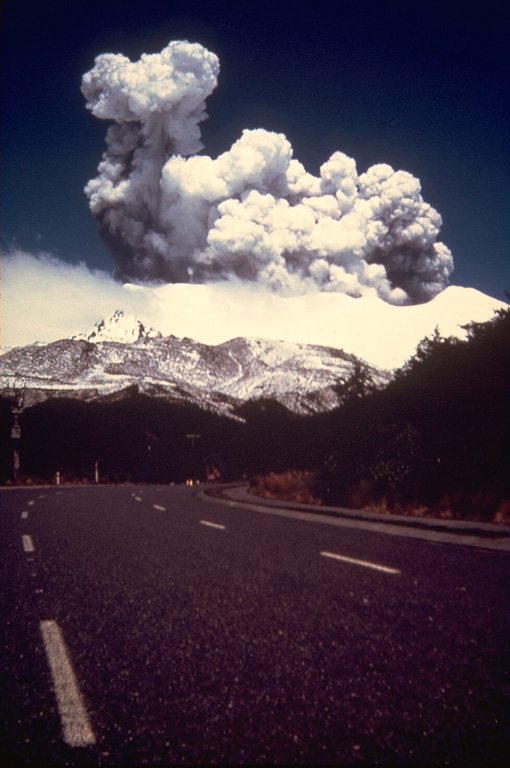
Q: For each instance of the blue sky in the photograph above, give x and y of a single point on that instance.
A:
(423, 88)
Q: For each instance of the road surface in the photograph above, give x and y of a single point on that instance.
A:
(146, 624)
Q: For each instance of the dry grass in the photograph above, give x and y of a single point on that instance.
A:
(503, 512)
(478, 507)
(294, 485)
(481, 507)
(302, 486)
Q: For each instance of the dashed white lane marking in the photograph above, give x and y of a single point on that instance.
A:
(161, 509)
(28, 544)
(212, 525)
(364, 563)
(76, 726)
(24, 515)
(137, 498)
(30, 503)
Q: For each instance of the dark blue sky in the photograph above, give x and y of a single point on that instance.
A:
(423, 87)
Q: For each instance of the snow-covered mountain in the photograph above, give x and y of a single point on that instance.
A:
(120, 328)
(49, 304)
(229, 351)
(382, 334)
(119, 352)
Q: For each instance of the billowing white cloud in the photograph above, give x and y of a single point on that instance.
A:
(253, 213)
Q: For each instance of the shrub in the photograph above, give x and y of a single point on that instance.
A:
(293, 485)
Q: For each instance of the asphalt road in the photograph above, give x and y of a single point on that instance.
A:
(137, 631)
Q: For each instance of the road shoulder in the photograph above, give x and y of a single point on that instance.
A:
(482, 535)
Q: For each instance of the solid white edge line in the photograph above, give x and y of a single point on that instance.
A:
(28, 544)
(364, 563)
(161, 509)
(76, 728)
(212, 525)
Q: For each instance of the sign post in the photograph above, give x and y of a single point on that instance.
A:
(16, 436)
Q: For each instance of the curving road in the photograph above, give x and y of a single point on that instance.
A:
(148, 624)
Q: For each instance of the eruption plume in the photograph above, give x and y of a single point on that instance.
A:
(254, 213)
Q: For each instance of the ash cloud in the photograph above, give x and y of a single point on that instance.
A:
(254, 213)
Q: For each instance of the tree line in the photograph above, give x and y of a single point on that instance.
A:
(438, 435)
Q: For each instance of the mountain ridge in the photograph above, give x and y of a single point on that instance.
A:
(121, 351)
(216, 377)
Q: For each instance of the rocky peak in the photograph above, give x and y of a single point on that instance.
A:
(120, 328)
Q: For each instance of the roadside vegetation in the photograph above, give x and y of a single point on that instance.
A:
(435, 441)
(300, 486)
